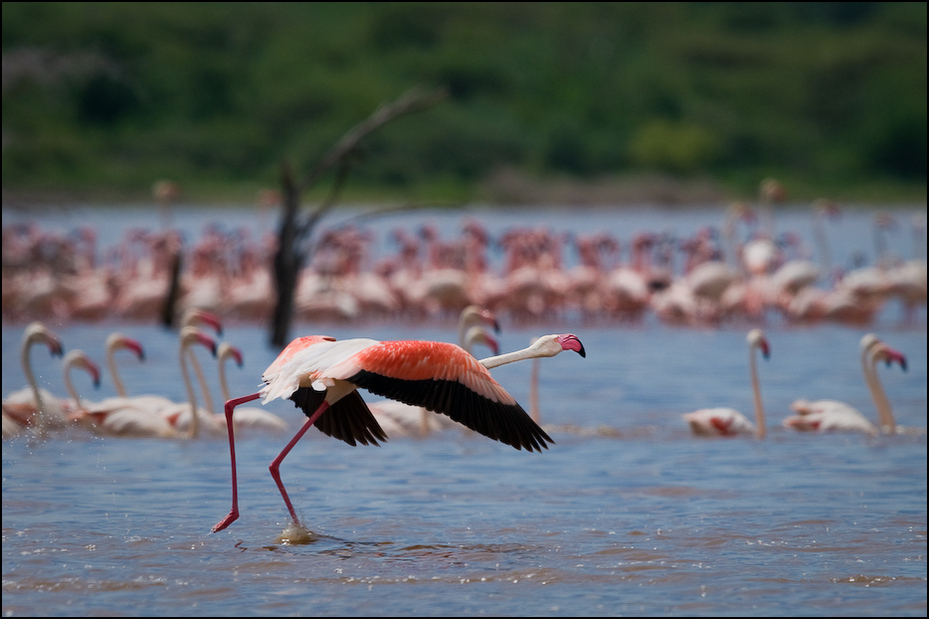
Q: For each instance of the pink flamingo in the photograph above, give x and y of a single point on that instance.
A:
(187, 417)
(32, 406)
(728, 421)
(832, 415)
(321, 376)
(113, 416)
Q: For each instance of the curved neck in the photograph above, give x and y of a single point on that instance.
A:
(201, 380)
(41, 422)
(761, 430)
(191, 396)
(885, 413)
(114, 371)
(69, 386)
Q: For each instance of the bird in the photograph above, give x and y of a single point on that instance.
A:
(187, 417)
(728, 421)
(113, 416)
(836, 416)
(33, 406)
(321, 376)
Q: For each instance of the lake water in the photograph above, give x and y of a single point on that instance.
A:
(627, 514)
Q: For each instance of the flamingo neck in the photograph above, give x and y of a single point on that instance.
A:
(885, 413)
(534, 393)
(72, 391)
(223, 385)
(41, 423)
(114, 371)
(531, 352)
(201, 380)
(191, 395)
(761, 429)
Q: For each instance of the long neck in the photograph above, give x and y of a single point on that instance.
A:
(534, 392)
(114, 371)
(72, 391)
(884, 411)
(191, 396)
(223, 385)
(41, 423)
(761, 430)
(201, 380)
(510, 357)
(825, 256)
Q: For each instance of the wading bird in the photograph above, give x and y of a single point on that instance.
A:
(321, 375)
(835, 416)
(728, 421)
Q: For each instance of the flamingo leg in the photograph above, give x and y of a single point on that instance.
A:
(276, 463)
(234, 512)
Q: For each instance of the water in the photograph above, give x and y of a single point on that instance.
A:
(626, 514)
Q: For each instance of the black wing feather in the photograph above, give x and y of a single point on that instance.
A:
(348, 420)
(507, 423)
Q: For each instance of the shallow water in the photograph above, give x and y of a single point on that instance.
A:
(626, 514)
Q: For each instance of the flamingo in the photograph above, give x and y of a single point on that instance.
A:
(187, 416)
(32, 405)
(321, 376)
(113, 416)
(151, 416)
(832, 415)
(728, 421)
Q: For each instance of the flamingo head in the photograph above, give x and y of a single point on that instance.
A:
(37, 332)
(228, 350)
(569, 341)
(757, 339)
(118, 340)
(891, 356)
(193, 335)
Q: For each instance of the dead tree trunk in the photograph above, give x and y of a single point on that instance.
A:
(294, 249)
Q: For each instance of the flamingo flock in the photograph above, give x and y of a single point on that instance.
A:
(739, 272)
(37, 411)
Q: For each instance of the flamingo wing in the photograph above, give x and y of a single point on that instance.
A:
(445, 379)
(348, 420)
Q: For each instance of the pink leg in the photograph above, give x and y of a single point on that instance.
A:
(276, 463)
(234, 512)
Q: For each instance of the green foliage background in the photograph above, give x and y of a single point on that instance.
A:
(829, 97)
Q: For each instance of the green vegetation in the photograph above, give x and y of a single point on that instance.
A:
(106, 98)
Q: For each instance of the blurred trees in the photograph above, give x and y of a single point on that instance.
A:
(119, 94)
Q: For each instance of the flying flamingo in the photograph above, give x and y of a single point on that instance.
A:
(32, 405)
(321, 375)
(832, 415)
(728, 421)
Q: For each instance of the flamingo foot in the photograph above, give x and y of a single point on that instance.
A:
(296, 534)
(231, 517)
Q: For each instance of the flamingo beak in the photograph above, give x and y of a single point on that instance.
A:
(569, 341)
